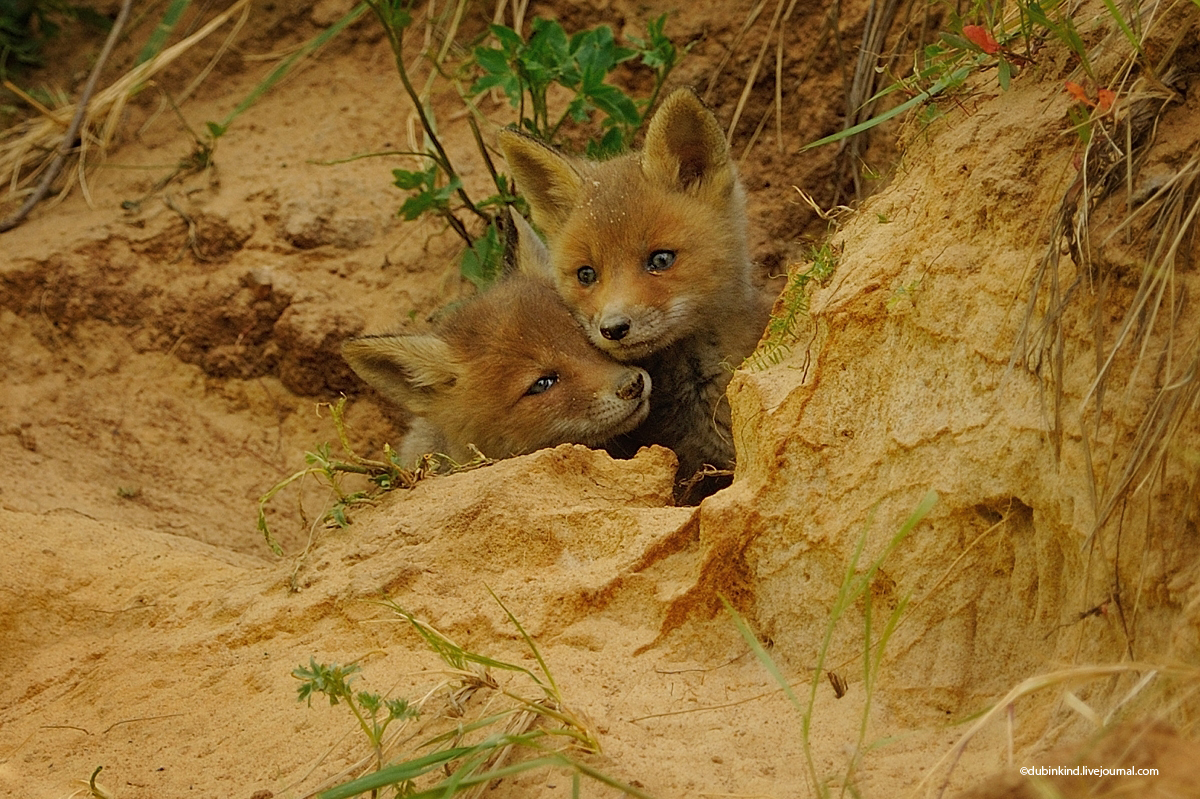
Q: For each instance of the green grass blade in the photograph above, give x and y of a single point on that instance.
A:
(916, 517)
(600, 776)
(532, 647)
(1124, 25)
(390, 775)
(953, 79)
(462, 778)
(453, 654)
(439, 791)
(463, 729)
(160, 34)
(290, 62)
(759, 652)
(852, 587)
(262, 507)
(454, 783)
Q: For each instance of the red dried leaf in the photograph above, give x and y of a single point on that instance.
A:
(981, 38)
(1106, 99)
(1078, 92)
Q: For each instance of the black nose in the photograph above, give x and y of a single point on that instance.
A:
(615, 331)
(632, 389)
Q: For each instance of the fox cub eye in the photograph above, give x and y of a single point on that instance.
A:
(586, 275)
(541, 385)
(660, 260)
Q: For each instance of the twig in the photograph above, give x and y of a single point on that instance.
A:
(68, 141)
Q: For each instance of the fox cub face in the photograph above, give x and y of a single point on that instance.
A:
(510, 372)
(648, 248)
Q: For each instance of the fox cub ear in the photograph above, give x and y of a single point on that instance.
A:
(411, 371)
(685, 145)
(545, 177)
(531, 257)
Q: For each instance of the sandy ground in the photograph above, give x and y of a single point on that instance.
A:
(170, 361)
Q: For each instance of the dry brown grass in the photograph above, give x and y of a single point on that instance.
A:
(28, 148)
(1145, 388)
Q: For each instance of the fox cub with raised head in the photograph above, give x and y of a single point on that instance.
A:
(649, 250)
(510, 372)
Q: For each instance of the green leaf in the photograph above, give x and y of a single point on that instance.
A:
(579, 109)
(547, 57)
(481, 262)
(369, 702)
(1119, 18)
(509, 39)
(612, 143)
(622, 54)
(416, 205)
(493, 61)
(955, 78)
(399, 18)
(597, 54)
(408, 180)
(319, 678)
(338, 514)
(429, 198)
(399, 709)
(616, 104)
(506, 81)
(400, 772)
(658, 52)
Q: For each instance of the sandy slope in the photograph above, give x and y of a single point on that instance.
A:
(164, 367)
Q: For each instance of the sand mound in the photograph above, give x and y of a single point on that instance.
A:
(164, 364)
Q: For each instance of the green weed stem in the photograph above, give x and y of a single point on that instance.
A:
(395, 35)
(852, 587)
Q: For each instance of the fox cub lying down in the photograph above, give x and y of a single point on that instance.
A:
(649, 251)
(510, 371)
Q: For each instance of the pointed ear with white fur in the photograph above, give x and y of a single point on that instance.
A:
(411, 371)
(532, 257)
(545, 177)
(685, 145)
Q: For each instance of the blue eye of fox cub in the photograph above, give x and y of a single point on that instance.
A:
(586, 275)
(541, 385)
(660, 260)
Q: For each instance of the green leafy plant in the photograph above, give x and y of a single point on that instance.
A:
(855, 588)
(373, 712)
(994, 41)
(472, 752)
(526, 71)
(792, 306)
(157, 39)
(384, 476)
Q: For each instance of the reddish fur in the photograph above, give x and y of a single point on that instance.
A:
(471, 387)
(621, 218)
(505, 341)
(690, 324)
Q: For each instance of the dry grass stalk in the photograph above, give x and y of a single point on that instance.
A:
(753, 76)
(1066, 678)
(1116, 142)
(733, 46)
(27, 148)
(859, 106)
